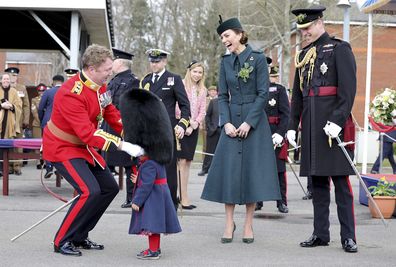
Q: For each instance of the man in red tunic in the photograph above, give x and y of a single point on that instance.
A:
(70, 142)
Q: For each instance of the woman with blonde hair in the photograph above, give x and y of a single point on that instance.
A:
(194, 82)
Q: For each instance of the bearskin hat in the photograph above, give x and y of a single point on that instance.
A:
(146, 123)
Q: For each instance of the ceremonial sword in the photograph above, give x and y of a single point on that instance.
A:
(291, 167)
(45, 218)
(342, 146)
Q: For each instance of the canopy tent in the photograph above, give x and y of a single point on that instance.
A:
(371, 7)
(379, 6)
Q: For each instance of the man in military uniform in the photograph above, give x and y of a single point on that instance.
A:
(122, 81)
(25, 116)
(212, 128)
(169, 87)
(278, 111)
(323, 94)
(36, 125)
(71, 140)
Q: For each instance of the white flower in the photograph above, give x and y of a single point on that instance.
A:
(383, 106)
(272, 102)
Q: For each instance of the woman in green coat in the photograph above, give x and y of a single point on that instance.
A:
(243, 169)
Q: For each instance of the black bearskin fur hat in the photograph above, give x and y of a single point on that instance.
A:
(146, 123)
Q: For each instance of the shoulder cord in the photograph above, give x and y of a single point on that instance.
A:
(310, 57)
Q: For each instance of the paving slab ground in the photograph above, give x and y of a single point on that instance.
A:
(276, 235)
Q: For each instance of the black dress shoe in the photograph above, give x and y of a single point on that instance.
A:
(283, 208)
(126, 204)
(88, 244)
(313, 241)
(349, 245)
(68, 249)
(189, 207)
(202, 173)
(308, 196)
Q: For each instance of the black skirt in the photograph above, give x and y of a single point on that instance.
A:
(188, 145)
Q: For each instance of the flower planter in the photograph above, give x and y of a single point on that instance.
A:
(385, 204)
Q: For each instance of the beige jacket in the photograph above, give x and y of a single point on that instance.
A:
(12, 127)
(25, 112)
(34, 108)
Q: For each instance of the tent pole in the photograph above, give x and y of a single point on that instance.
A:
(368, 88)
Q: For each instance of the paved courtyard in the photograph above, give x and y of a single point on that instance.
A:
(276, 235)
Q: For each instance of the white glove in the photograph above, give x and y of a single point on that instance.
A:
(131, 149)
(394, 121)
(277, 139)
(291, 137)
(332, 129)
(393, 113)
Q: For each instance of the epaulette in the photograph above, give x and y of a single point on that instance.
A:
(336, 39)
(226, 55)
(257, 51)
(340, 41)
(77, 88)
(147, 85)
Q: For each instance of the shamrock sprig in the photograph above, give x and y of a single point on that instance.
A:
(244, 73)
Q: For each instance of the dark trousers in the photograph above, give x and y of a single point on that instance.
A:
(97, 188)
(211, 143)
(129, 184)
(321, 203)
(387, 153)
(283, 187)
(171, 173)
(309, 183)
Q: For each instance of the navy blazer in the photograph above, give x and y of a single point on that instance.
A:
(45, 106)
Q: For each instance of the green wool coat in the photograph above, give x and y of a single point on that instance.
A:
(243, 170)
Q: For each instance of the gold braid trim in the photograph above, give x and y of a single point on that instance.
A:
(109, 138)
(310, 57)
(184, 121)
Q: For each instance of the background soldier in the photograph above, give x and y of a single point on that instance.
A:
(36, 125)
(212, 128)
(123, 81)
(169, 87)
(25, 116)
(278, 112)
(70, 73)
(323, 95)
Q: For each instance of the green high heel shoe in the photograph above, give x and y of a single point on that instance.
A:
(248, 240)
(226, 240)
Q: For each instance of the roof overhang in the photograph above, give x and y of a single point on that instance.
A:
(26, 34)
